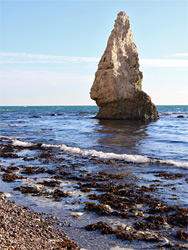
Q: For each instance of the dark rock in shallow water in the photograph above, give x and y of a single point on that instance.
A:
(141, 109)
(35, 116)
(55, 114)
(117, 88)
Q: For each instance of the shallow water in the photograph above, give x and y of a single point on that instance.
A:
(166, 138)
(140, 151)
(138, 174)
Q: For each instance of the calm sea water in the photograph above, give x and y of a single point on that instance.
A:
(72, 126)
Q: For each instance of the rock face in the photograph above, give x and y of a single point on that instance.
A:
(117, 88)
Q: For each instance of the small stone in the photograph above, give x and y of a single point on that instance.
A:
(76, 214)
(6, 195)
(108, 208)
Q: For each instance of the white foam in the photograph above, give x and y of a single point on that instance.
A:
(103, 155)
(7, 138)
(138, 159)
(22, 143)
(127, 158)
(175, 163)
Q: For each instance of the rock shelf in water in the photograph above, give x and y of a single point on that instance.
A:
(117, 88)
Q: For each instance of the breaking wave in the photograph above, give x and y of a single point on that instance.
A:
(127, 158)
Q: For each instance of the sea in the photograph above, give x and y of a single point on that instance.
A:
(76, 130)
(139, 146)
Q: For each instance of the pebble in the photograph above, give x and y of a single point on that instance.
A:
(21, 229)
(76, 214)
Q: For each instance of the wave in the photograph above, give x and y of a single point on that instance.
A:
(16, 142)
(127, 158)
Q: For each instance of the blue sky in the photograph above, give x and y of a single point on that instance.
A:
(50, 49)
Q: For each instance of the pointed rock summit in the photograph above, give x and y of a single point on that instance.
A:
(117, 88)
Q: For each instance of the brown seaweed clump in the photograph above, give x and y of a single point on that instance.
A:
(104, 228)
(58, 194)
(182, 235)
(28, 190)
(99, 209)
(10, 177)
(179, 218)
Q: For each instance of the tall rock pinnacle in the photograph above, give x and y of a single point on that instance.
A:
(117, 88)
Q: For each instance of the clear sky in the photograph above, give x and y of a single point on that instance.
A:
(50, 49)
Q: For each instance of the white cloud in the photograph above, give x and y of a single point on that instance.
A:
(39, 87)
(29, 61)
(41, 78)
(163, 63)
(26, 58)
(179, 55)
(9, 57)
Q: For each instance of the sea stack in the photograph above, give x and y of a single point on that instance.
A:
(117, 88)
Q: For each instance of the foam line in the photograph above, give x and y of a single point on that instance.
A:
(138, 159)
(22, 143)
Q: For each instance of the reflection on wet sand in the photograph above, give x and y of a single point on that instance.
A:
(119, 134)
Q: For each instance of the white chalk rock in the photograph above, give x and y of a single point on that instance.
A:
(117, 88)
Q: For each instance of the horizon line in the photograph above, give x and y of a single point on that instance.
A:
(79, 105)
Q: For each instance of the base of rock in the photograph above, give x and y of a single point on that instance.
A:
(138, 108)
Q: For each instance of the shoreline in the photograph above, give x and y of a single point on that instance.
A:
(110, 200)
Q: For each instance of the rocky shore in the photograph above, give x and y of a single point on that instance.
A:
(22, 229)
(96, 197)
